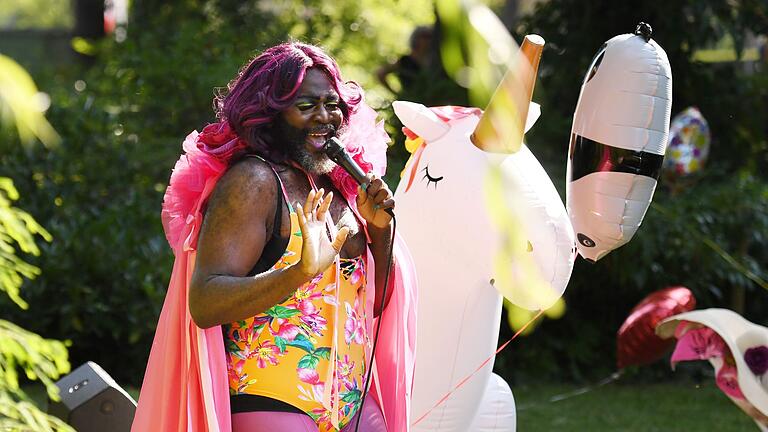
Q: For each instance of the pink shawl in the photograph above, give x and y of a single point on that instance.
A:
(185, 386)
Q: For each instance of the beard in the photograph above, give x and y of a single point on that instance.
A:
(295, 141)
(314, 163)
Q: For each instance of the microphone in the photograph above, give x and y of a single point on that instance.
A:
(336, 152)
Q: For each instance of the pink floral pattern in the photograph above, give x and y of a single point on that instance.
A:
(292, 330)
(354, 327)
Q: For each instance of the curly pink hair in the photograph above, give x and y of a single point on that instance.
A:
(268, 84)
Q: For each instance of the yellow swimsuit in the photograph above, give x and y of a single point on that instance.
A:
(287, 352)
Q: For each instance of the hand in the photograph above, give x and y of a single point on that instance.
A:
(317, 251)
(372, 202)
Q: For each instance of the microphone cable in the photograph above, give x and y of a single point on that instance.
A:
(367, 383)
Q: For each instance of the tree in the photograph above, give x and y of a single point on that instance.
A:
(39, 358)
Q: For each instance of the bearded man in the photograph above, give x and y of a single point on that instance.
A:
(281, 262)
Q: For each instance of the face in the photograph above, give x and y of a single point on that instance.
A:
(314, 117)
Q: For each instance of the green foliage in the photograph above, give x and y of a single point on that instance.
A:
(43, 359)
(99, 193)
(39, 358)
(26, 14)
(23, 416)
(16, 226)
(20, 105)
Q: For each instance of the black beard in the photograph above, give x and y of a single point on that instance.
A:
(295, 143)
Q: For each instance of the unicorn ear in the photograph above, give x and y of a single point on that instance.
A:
(421, 120)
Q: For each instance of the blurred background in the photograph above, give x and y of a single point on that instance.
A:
(121, 83)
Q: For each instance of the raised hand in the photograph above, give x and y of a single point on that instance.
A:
(317, 251)
(373, 201)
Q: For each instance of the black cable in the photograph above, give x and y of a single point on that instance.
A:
(367, 383)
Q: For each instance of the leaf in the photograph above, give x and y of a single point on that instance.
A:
(232, 347)
(281, 343)
(309, 361)
(323, 352)
(302, 342)
(351, 396)
(282, 312)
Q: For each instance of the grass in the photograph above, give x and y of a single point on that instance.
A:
(620, 406)
(726, 55)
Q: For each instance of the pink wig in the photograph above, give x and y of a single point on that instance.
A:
(268, 84)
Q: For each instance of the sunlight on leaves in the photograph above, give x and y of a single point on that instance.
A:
(20, 104)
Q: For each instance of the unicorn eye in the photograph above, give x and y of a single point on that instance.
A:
(429, 178)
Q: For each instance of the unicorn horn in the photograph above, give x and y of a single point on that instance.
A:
(501, 128)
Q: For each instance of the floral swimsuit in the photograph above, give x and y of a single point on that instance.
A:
(309, 350)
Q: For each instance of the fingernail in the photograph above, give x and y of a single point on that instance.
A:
(376, 207)
(364, 186)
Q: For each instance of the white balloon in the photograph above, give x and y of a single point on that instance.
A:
(618, 140)
(497, 410)
(443, 217)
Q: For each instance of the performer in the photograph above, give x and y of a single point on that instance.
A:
(280, 265)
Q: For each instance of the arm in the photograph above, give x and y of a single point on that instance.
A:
(232, 239)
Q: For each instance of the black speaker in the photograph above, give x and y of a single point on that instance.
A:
(91, 401)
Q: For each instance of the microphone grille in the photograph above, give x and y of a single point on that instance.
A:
(332, 147)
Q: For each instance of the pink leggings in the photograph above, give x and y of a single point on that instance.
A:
(271, 421)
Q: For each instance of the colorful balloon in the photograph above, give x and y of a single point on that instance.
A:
(689, 140)
(636, 340)
(618, 139)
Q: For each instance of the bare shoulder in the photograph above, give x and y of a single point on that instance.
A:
(248, 182)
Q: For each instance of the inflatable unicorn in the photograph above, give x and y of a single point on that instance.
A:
(477, 223)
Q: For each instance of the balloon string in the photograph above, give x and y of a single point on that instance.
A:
(720, 251)
(466, 378)
(611, 378)
(563, 396)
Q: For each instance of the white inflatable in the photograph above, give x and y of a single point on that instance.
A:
(443, 216)
(618, 140)
(497, 409)
(547, 232)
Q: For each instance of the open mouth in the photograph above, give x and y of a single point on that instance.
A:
(317, 138)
